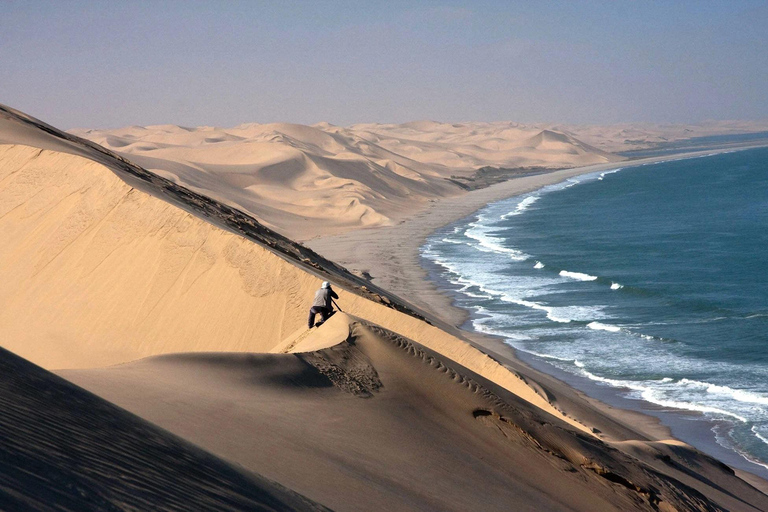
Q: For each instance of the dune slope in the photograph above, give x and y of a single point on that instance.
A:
(392, 423)
(66, 449)
(98, 272)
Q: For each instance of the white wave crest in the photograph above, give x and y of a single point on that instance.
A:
(614, 382)
(759, 436)
(547, 356)
(538, 265)
(577, 275)
(650, 395)
(739, 395)
(488, 243)
(616, 286)
(476, 295)
(597, 326)
(535, 305)
(521, 206)
(603, 174)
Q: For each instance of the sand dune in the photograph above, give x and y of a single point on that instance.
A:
(66, 449)
(108, 273)
(469, 146)
(96, 272)
(394, 424)
(311, 180)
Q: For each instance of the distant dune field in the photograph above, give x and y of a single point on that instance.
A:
(316, 180)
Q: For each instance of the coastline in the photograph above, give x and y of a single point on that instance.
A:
(391, 255)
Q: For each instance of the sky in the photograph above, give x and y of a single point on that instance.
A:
(222, 63)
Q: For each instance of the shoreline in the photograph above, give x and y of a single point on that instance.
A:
(392, 256)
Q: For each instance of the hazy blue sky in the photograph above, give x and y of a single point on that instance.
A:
(109, 64)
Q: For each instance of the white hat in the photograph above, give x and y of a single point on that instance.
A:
(326, 284)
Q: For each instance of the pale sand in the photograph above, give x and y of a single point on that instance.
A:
(95, 271)
(317, 180)
(309, 180)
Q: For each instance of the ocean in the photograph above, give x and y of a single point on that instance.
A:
(650, 281)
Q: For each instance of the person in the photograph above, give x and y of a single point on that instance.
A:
(322, 304)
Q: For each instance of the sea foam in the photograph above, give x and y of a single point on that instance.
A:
(577, 275)
(489, 243)
(597, 326)
(521, 206)
(604, 174)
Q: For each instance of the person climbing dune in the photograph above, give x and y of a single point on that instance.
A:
(323, 304)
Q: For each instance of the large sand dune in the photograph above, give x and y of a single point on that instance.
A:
(96, 272)
(307, 181)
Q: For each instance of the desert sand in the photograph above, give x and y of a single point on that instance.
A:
(190, 314)
(305, 181)
(395, 426)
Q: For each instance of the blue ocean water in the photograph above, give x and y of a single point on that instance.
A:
(651, 279)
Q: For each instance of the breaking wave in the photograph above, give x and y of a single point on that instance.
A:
(578, 276)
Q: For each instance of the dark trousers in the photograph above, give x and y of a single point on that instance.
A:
(324, 314)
